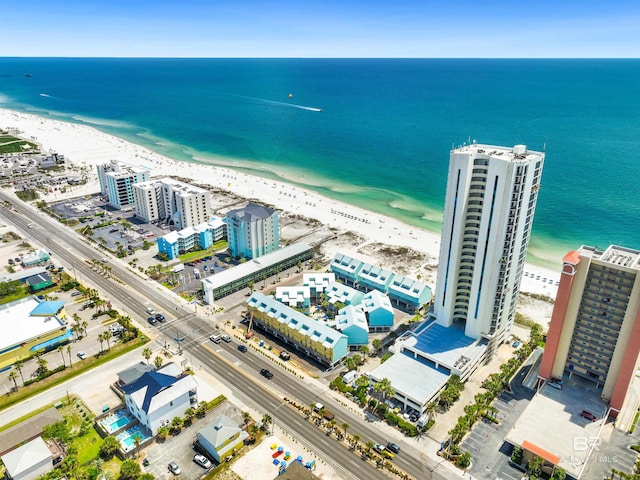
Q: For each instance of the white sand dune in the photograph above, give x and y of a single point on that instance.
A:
(86, 146)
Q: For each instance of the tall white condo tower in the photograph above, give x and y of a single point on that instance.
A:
(488, 215)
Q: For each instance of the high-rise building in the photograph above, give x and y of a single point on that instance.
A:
(117, 180)
(253, 231)
(488, 215)
(169, 200)
(595, 325)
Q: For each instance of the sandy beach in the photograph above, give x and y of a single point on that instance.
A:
(361, 233)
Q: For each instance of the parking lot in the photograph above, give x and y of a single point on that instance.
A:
(179, 448)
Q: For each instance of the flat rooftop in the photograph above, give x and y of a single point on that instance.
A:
(403, 370)
(563, 431)
(448, 346)
(17, 325)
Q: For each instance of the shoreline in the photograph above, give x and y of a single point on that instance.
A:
(87, 146)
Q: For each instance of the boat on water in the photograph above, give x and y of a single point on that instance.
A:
(28, 75)
(290, 95)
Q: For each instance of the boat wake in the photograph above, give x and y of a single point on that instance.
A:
(264, 101)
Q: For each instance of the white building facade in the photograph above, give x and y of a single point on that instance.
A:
(489, 207)
(171, 201)
(117, 180)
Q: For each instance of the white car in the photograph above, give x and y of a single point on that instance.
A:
(202, 461)
(81, 355)
(151, 311)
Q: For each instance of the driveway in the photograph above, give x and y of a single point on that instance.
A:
(179, 448)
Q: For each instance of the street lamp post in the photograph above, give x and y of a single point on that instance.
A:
(273, 420)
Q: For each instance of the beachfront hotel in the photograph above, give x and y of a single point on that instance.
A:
(595, 325)
(253, 231)
(171, 201)
(200, 237)
(489, 207)
(117, 180)
(491, 198)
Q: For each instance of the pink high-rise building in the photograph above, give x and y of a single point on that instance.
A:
(595, 325)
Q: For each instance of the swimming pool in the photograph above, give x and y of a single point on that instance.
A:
(128, 438)
(115, 421)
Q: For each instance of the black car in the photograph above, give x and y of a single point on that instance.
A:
(152, 320)
(160, 317)
(242, 348)
(394, 447)
(266, 373)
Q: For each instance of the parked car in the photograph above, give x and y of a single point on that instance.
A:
(588, 415)
(226, 338)
(285, 355)
(382, 450)
(174, 468)
(266, 373)
(203, 461)
(81, 355)
(76, 294)
(242, 348)
(394, 447)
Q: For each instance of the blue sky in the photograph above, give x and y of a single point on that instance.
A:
(312, 28)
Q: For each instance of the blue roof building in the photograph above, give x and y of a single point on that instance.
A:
(157, 397)
(313, 338)
(377, 307)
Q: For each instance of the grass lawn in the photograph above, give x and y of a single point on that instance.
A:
(88, 446)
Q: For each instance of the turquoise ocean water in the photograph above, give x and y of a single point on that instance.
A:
(374, 133)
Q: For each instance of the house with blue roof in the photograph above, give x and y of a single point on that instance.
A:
(308, 336)
(157, 397)
(377, 307)
(346, 268)
(352, 322)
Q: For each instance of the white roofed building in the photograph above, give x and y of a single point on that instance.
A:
(294, 296)
(29, 461)
(117, 180)
(352, 321)
(317, 283)
(377, 307)
(168, 200)
(199, 237)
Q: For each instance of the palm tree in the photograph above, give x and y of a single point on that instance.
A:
(377, 344)
(370, 445)
(364, 350)
(107, 336)
(356, 439)
(101, 339)
(69, 353)
(345, 427)
(12, 376)
(157, 362)
(62, 353)
(83, 325)
(431, 409)
(146, 354)
(266, 420)
(42, 365)
(18, 366)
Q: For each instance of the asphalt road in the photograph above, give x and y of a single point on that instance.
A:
(133, 293)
